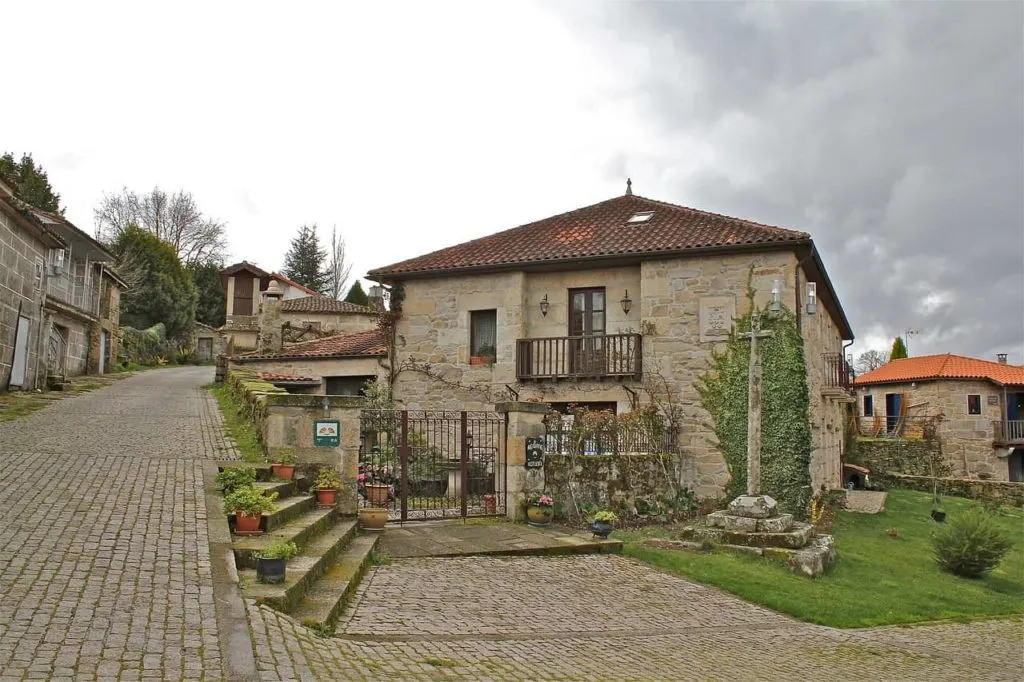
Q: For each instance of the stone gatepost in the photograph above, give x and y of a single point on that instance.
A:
(525, 420)
(288, 427)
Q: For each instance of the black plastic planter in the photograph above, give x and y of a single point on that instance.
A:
(939, 516)
(601, 529)
(270, 570)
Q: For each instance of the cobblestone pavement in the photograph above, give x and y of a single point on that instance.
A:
(104, 555)
(602, 618)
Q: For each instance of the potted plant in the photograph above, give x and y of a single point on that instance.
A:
(487, 356)
(284, 466)
(235, 477)
(539, 510)
(373, 518)
(602, 523)
(248, 503)
(270, 563)
(377, 483)
(326, 486)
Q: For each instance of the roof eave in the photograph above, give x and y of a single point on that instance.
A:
(381, 276)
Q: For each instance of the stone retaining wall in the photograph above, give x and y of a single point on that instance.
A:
(1002, 491)
(896, 455)
(609, 481)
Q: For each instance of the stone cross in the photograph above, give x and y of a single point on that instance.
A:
(754, 405)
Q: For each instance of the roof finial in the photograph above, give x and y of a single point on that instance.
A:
(629, 187)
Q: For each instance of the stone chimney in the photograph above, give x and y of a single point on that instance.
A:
(376, 298)
(1001, 357)
(270, 319)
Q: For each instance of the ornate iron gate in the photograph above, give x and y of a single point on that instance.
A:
(432, 464)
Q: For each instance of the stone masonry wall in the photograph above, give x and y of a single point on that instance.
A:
(606, 481)
(967, 440)
(19, 253)
(316, 368)
(898, 455)
(1006, 492)
(346, 323)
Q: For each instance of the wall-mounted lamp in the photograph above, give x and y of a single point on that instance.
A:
(544, 305)
(326, 404)
(812, 298)
(627, 303)
(776, 303)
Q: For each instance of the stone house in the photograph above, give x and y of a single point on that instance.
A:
(586, 306)
(339, 363)
(62, 282)
(205, 341)
(976, 407)
(303, 312)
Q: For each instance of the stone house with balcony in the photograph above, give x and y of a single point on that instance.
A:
(976, 406)
(585, 306)
(60, 298)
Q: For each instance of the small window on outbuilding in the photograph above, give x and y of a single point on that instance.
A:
(483, 334)
(869, 406)
(350, 385)
(973, 404)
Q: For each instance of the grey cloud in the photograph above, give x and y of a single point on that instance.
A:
(894, 128)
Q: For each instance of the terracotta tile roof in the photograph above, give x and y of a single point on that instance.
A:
(946, 366)
(361, 344)
(320, 304)
(244, 265)
(599, 230)
(281, 278)
(272, 376)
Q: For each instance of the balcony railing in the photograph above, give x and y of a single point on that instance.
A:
(838, 373)
(75, 292)
(1009, 431)
(580, 357)
(894, 426)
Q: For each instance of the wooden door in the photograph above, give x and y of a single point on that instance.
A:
(586, 331)
(243, 295)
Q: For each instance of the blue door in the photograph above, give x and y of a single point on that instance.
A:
(892, 411)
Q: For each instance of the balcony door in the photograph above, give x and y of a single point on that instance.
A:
(587, 328)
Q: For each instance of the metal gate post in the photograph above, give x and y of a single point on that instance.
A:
(403, 455)
(464, 463)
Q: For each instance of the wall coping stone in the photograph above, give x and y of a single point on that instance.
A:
(315, 401)
(521, 406)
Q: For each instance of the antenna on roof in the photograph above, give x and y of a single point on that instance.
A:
(629, 187)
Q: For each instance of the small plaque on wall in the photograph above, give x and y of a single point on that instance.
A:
(534, 453)
(326, 433)
(993, 400)
(716, 313)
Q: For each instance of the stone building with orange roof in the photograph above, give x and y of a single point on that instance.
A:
(976, 407)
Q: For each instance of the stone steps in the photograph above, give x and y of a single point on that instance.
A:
(282, 488)
(301, 531)
(303, 570)
(324, 602)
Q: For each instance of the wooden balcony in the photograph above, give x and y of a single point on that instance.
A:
(1008, 432)
(838, 375)
(580, 357)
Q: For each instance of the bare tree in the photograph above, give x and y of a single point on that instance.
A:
(338, 268)
(174, 218)
(871, 360)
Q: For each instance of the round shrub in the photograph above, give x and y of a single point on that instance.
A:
(970, 545)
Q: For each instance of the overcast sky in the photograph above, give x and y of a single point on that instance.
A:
(893, 133)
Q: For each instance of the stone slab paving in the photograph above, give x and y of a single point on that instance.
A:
(602, 617)
(485, 536)
(865, 501)
(104, 548)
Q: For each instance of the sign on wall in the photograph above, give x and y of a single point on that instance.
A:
(534, 453)
(326, 433)
(716, 313)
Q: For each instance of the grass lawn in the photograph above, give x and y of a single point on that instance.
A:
(878, 579)
(242, 430)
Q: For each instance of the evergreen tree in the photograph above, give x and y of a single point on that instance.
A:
(357, 295)
(306, 261)
(30, 182)
(211, 307)
(162, 291)
(899, 349)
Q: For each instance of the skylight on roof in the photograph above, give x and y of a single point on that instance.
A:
(641, 217)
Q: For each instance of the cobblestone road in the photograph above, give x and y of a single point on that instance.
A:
(602, 618)
(104, 555)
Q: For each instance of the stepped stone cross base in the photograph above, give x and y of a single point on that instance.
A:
(752, 524)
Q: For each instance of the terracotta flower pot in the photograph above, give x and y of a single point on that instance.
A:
(490, 504)
(373, 518)
(378, 495)
(247, 524)
(481, 360)
(539, 516)
(326, 498)
(285, 471)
